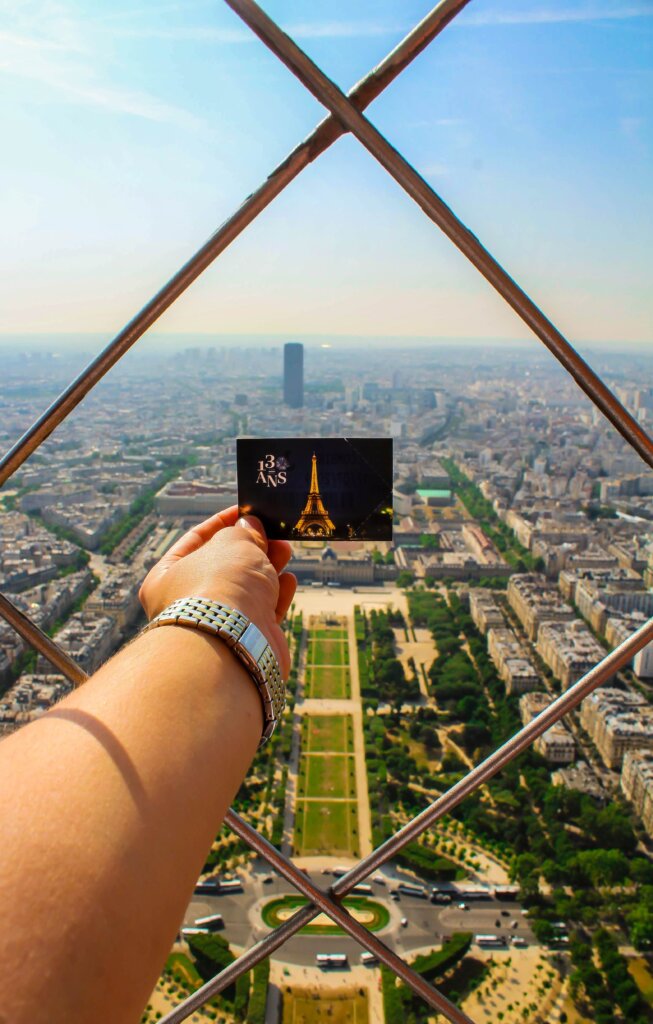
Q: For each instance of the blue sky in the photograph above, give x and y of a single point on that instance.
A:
(131, 131)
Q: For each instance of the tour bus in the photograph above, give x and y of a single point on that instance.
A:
(412, 890)
(230, 885)
(476, 893)
(187, 932)
(339, 872)
(490, 941)
(362, 889)
(209, 887)
(211, 923)
(328, 960)
(368, 958)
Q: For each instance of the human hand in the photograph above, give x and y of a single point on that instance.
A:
(230, 560)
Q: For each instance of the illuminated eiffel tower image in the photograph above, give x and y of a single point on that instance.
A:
(314, 520)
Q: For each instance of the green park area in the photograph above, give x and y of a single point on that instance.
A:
(326, 818)
(327, 733)
(328, 775)
(326, 827)
(328, 682)
(305, 1007)
(373, 915)
(327, 663)
(327, 652)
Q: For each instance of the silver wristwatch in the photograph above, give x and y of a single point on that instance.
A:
(245, 640)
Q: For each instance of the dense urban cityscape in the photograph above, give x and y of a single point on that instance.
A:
(522, 552)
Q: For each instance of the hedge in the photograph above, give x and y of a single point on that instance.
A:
(437, 963)
(212, 954)
(259, 994)
(428, 864)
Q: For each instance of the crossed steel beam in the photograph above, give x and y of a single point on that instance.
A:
(345, 116)
(329, 902)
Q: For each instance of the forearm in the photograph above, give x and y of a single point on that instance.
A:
(157, 744)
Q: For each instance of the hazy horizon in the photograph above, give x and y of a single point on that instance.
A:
(131, 133)
(81, 341)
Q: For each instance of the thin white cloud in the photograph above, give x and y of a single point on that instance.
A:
(300, 31)
(341, 30)
(560, 15)
(46, 45)
(435, 170)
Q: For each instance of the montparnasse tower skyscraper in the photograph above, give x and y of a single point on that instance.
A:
(293, 375)
(314, 520)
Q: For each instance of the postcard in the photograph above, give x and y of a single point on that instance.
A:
(317, 488)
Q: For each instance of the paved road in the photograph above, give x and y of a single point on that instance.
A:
(427, 922)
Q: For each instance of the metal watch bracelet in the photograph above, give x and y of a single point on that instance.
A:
(245, 640)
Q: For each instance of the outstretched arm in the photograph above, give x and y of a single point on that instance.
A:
(110, 802)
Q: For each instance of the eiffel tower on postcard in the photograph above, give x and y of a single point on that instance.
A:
(314, 520)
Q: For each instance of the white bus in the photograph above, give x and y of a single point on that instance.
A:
(230, 885)
(368, 958)
(412, 890)
(362, 889)
(211, 923)
(490, 941)
(328, 960)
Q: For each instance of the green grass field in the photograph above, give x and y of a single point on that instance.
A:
(320, 1008)
(326, 826)
(329, 775)
(328, 682)
(327, 652)
(327, 733)
(326, 818)
(273, 914)
(329, 634)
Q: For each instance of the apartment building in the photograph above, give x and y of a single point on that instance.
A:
(556, 744)
(536, 601)
(569, 649)
(619, 627)
(637, 784)
(511, 660)
(484, 610)
(29, 698)
(617, 721)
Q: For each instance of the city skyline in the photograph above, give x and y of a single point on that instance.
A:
(533, 125)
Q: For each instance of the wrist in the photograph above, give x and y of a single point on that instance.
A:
(246, 642)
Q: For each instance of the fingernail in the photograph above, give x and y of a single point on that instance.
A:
(250, 523)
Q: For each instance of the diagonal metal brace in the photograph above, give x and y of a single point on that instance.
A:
(477, 777)
(316, 143)
(328, 93)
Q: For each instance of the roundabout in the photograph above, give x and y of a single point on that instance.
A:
(372, 914)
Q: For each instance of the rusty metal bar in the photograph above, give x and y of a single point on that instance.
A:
(328, 93)
(323, 901)
(36, 638)
(317, 142)
(479, 775)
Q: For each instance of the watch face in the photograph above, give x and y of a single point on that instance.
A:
(334, 488)
(254, 641)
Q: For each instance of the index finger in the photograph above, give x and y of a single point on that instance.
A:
(198, 535)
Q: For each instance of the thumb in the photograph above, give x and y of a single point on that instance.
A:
(255, 530)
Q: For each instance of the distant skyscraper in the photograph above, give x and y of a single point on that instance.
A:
(293, 375)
